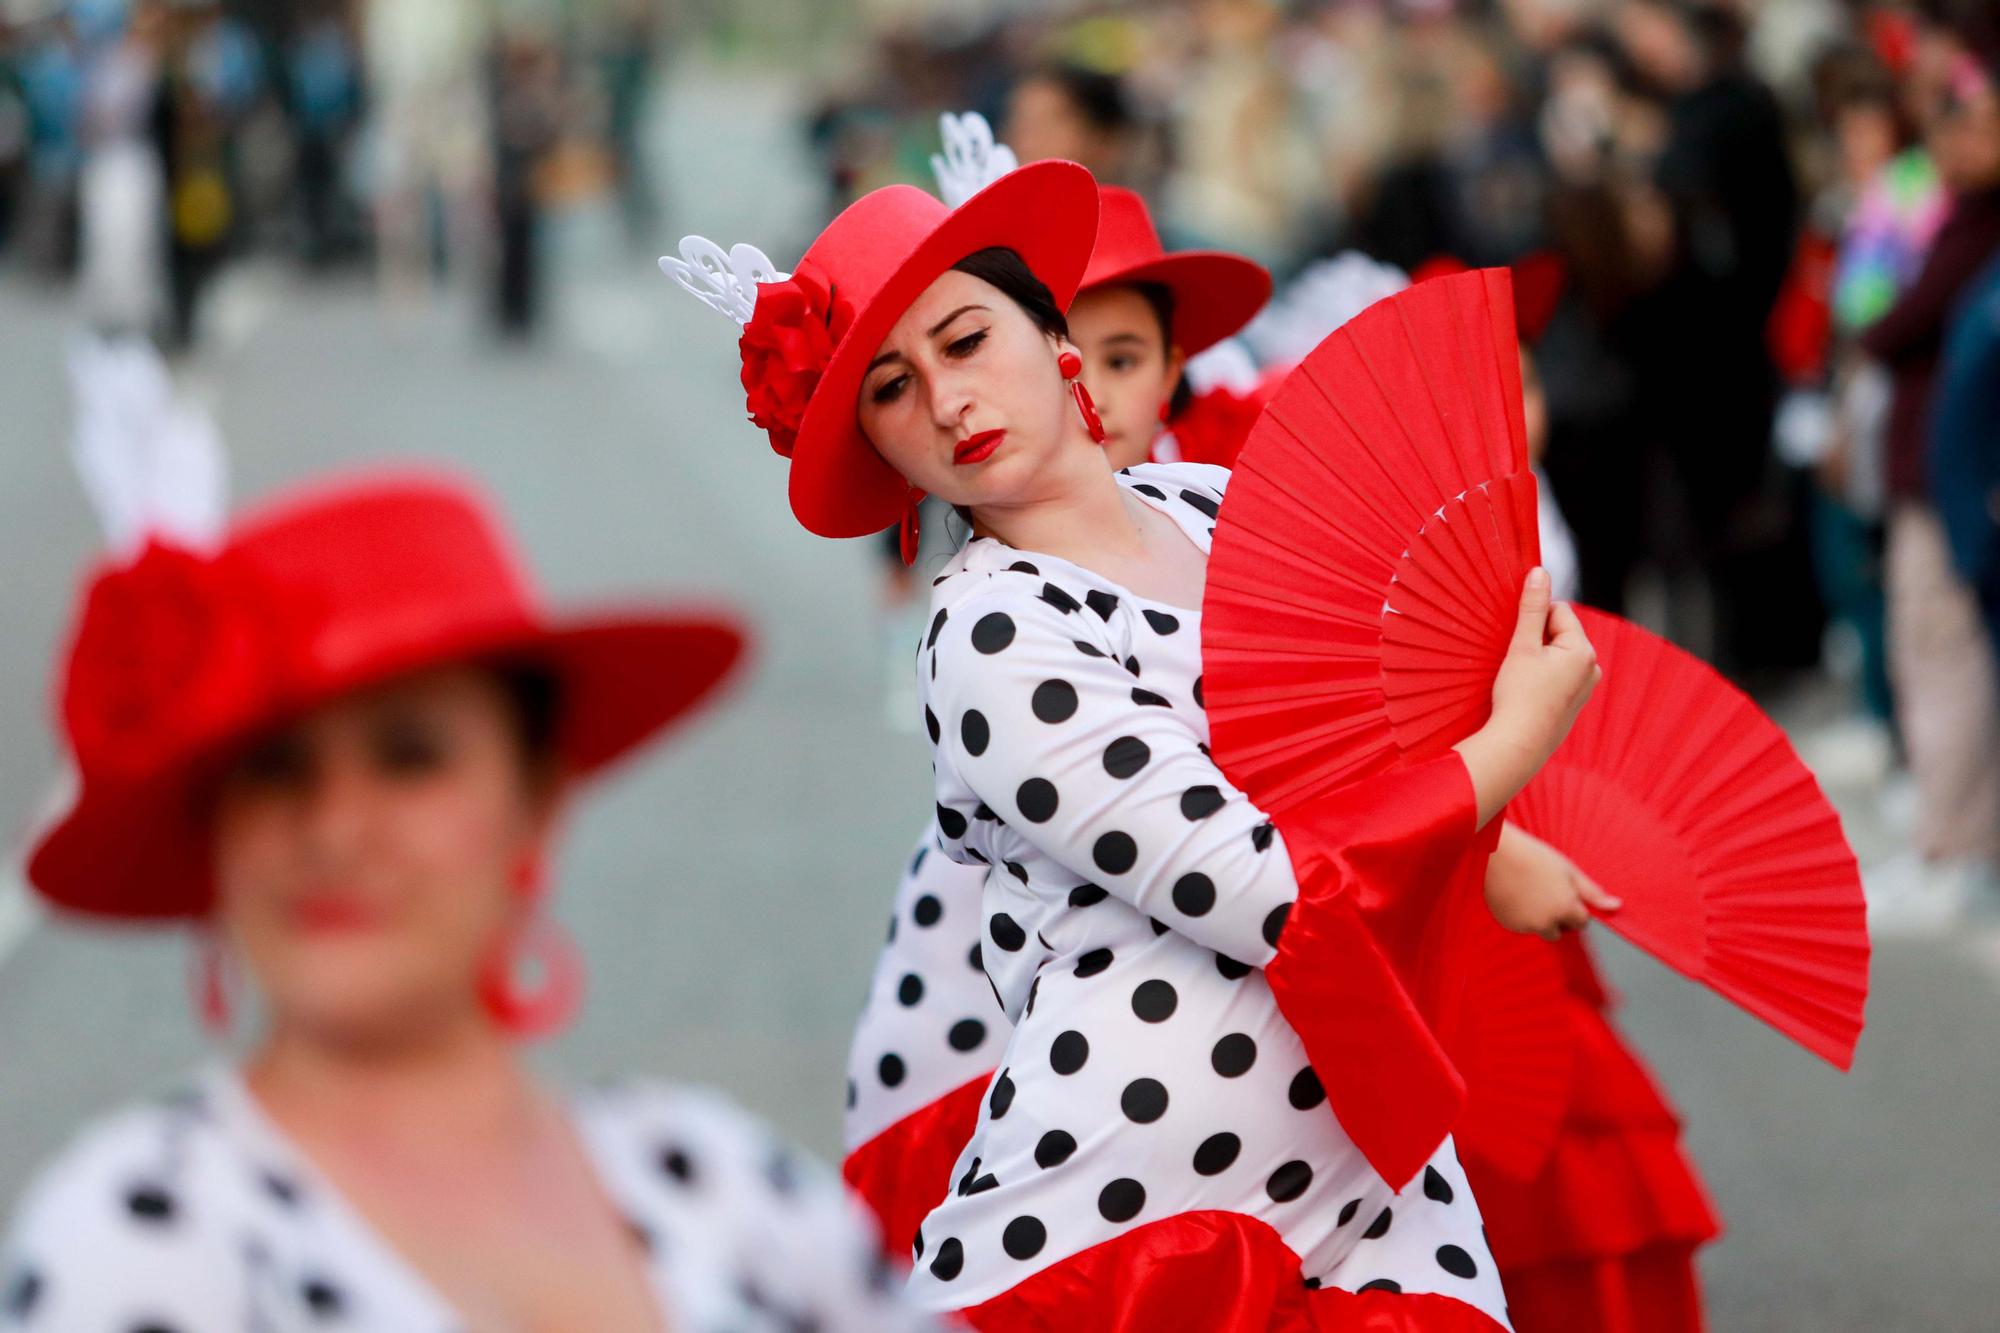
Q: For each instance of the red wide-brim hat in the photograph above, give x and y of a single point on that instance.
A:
(177, 659)
(1215, 293)
(873, 261)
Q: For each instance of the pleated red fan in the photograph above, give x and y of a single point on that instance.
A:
(1368, 558)
(1676, 793)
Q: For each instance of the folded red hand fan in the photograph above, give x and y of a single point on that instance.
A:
(1676, 793)
(1368, 559)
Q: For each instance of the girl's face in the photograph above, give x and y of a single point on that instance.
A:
(964, 398)
(368, 856)
(1127, 366)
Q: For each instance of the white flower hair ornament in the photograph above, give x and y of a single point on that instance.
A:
(723, 280)
(151, 463)
(786, 318)
(972, 158)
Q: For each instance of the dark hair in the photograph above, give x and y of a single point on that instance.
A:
(1005, 269)
(1161, 297)
(1098, 97)
(535, 703)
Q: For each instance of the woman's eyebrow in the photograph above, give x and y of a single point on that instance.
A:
(939, 327)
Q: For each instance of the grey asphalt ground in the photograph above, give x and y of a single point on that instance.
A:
(730, 889)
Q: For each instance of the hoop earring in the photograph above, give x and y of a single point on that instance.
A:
(1071, 365)
(208, 980)
(546, 1009)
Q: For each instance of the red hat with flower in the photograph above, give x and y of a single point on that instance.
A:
(809, 335)
(192, 638)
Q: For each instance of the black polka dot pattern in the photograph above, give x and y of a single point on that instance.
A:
(1143, 1101)
(1095, 759)
(1069, 1051)
(1024, 1238)
(1233, 1055)
(1121, 1200)
(993, 633)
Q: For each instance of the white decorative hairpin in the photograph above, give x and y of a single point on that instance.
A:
(723, 280)
(151, 463)
(972, 159)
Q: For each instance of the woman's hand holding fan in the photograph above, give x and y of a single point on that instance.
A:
(1543, 683)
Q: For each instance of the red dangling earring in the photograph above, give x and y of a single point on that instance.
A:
(210, 983)
(910, 530)
(545, 1010)
(1071, 365)
(1166, 411)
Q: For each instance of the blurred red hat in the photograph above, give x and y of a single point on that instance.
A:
(178, 656)
(1215, 293)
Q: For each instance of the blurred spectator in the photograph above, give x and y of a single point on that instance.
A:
(527, 121)
(1940, 656)
(426, 76)
(1706, 386)
(122, 189)
(1965, 447)
(325, 89)
(1070, 112)
(209, 79)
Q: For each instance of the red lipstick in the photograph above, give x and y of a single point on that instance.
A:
(977, 448)
(333, 915)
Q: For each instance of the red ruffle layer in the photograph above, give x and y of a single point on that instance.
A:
(1213, 1271)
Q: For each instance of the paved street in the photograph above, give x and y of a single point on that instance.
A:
(730, 890)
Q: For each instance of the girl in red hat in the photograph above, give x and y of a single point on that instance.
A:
(1160, 1147)
(339, 738)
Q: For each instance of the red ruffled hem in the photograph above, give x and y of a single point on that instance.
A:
(1214, 1271)
(905, 1171)
(1652, 1291)
(1617, 1181)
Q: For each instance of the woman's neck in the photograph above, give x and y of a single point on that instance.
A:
(462, 1082)
(1081, 514)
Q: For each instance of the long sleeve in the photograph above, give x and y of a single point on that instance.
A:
(1046, 732)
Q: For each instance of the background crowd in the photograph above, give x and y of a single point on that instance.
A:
(1773, 378)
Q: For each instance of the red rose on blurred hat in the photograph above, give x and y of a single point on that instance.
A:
(785, 348)
(166, 654)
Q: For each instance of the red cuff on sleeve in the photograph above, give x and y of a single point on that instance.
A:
(1375, 863)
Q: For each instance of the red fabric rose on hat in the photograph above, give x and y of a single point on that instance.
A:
(167, 655)
(785, 348)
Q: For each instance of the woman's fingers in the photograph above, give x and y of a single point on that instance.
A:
(1596, 896)
(1530, 627)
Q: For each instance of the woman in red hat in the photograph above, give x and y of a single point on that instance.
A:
(1161, 1147)
(929, 1018)
(340, 738)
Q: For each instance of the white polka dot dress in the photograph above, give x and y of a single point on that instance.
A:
(195, 1215)
(927, 1040)
(1132, 898)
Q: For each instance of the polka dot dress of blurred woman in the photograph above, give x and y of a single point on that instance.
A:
(337, 736)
